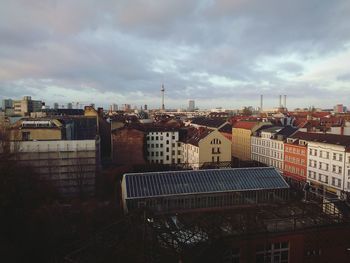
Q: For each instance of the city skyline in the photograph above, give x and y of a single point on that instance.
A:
(220, 53)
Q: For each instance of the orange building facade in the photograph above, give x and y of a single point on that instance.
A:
(295, 161)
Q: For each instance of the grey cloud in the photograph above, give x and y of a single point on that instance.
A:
(115, 45)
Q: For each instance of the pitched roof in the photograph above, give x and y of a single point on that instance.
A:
(227, 128)
(209, 122)
(143, 185)
(323, 138)
(247, 125)
(198, 135)
(287, 131)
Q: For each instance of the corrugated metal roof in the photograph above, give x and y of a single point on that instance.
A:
(202, 181)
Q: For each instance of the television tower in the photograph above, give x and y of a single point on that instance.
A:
(162, 91)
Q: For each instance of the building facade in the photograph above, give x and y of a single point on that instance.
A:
(26, 106)
(70, 166)
(295, 159)
(206, 147)
(268, 145)
(163, 146)
(241, 141)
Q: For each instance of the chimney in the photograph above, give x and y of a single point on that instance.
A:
(280, 105)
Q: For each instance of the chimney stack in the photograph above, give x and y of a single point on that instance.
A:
(285, 102)
(280, 105)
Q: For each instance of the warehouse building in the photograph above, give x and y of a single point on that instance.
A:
(179, 191)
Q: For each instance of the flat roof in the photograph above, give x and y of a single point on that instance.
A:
(157, 184)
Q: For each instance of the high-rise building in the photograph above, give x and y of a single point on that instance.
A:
(6, 104)
(145, 107)
(25, 106)
(114, 107)
(127, 107)
(55, 106)
(191, 105)
(69, 105)
(339, 108)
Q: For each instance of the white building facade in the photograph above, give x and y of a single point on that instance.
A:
(268, 150)
(327, 165)
(163, 147)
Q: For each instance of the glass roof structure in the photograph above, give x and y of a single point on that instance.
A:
(157, 184)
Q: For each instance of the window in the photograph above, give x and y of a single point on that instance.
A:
(274, 253)
(173, 144)
(167, 157)
(167, 141)
(167, 149)
(25, 136)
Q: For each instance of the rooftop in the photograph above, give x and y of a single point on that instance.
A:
(143, 185)
(209, 122)
(323, 138)
(248, 125)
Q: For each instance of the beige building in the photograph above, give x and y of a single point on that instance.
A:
(241, 141)
(37, 129)
(26, 105)
(205, 147)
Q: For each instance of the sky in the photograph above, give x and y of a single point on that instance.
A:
(221, 53)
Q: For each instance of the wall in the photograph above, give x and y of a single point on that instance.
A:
(205, 148)
(128, 146)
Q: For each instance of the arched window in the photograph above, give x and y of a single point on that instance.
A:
(215, 141)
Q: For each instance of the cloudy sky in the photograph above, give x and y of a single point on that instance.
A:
(218, 52)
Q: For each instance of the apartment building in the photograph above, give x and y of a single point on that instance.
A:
(328, 162)
(295, 158)
(163, 145)
(267, 145)
(204, 147)
(241, 141)
(26, 105)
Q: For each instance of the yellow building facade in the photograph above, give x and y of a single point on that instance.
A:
(241, 136)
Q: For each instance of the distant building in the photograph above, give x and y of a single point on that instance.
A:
(7, 103)
(69, 106)
(145, 107)
(114, 107)
(339, 108)
(191, 105)
(127, 107)
(25, 106)
(56, 106)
